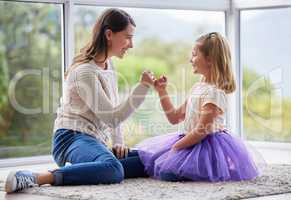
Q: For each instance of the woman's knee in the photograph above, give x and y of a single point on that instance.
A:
(116, 170)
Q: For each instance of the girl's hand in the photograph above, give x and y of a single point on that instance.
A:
(174, 148)
(147, 78)
(120, 151)
(161, 83)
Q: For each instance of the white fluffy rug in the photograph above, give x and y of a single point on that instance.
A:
(276, 179)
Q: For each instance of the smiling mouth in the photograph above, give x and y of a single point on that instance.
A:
(124, 51)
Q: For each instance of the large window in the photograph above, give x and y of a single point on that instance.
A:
(163, 42)
(266, 62)
(30, 76)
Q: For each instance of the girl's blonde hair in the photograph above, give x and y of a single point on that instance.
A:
(215, 47)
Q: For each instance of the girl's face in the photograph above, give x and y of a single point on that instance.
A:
(199, 62)
(120, 42)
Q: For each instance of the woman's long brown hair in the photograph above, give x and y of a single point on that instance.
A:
(114, 19)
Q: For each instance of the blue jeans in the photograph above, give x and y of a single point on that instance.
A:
(172, 177)
(92, 162)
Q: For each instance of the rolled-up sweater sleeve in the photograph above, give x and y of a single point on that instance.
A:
(117, 136)
(90, 90)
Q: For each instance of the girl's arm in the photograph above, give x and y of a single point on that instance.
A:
(174, 116)
(208, 113)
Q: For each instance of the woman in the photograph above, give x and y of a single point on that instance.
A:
(90, 111)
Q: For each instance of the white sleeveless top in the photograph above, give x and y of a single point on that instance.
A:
(201, 94)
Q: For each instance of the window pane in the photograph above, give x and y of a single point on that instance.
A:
(265, 58)
(162, 43)
(30, 76)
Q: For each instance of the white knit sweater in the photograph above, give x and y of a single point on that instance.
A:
(90, 103)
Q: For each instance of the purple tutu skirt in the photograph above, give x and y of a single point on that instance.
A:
(218, 157)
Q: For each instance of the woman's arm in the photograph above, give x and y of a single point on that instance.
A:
(91, 92)
(208, 113)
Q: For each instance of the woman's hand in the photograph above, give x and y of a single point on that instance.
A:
(161, 83)
(120, 151)
(147, 78)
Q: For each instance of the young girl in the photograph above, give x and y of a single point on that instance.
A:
(206, 150)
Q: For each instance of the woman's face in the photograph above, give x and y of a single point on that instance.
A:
(199, 62)
(120, 42)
